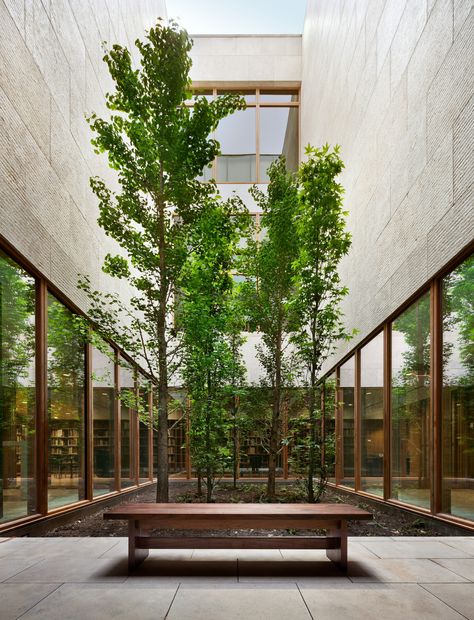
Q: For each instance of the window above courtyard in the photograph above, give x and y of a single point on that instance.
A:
(253, 138)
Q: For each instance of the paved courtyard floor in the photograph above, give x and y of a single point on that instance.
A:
(86, 578)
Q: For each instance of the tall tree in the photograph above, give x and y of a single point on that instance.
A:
(159, 146)
(323, 241)
(206, 321)
(271, 289)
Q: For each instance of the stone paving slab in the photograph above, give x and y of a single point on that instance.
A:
(242, 603)
(17, 598)
(87, 578)
(462, 567)
(76, 601)
(391, 602)
(459, 596)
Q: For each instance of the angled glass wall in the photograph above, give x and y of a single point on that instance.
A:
(347, 402)
(372, 416)
(66, 420)
(457, 411)
(411, 437)
(127, 425)
(17, 391)
(144, 429)
(103, 420)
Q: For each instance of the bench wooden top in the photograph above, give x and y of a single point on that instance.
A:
(209, 511)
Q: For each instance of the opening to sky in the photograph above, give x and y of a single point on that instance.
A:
(238, 16)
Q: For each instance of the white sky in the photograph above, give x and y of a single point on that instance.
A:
(238, 16)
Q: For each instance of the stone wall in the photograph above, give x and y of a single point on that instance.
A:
(51, 75)
(392, 81)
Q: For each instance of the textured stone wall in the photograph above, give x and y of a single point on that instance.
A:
(261, 58)
(51, 75)
(392, 81)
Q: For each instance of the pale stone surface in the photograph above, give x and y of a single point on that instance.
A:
(402, 113)
(51, 74)
(246, 59)
(214, 584)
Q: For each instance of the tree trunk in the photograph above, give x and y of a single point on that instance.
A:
(162, 460)
(313, 436)
(235, 446)
(275, 424)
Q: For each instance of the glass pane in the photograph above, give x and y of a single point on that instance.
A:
(144, 430)
(346, 399)
(330, 426)
(17, 392)
(66, 384)
(278, 136)
(411, 405)
(458, 391)
(127, 420)
(371, 416)
(103, 421)
(284, 96)
(236, 135)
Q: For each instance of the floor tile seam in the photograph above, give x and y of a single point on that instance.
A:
(450, 569)
(369, 550)
(304, 602)
(107, 551)
(59, 585)
(172, 601)
(444, 602)
(434, 583)
(21, 571)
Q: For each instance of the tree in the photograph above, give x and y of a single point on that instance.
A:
(210, 364)
(158, 146)
(323, 241)
(271, 285)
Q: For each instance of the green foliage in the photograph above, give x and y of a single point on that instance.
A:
(269, 290)
(210, 332)
(158, 146)
(323, 241)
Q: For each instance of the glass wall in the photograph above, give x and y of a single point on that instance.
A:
(17, 392)
(458, 391)
(347, 402)
(66, 385)
(144, 430)
(371, 416)
(127, 424)
(330, 426)
(411, 405)
(237, 137)
(278, 136)
(103, 420)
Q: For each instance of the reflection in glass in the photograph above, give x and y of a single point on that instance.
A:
(458, 391)
(144, 431)
(346, 401)
(127, 422)
(278, 136)
(66, 384)
(371, 416)
(17, 391)
(103, 422)
(411, 404)
(236, 135)
(330, 426)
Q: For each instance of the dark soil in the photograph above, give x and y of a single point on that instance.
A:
(387, 521)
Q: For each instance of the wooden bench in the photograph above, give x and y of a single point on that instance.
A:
(145, 517)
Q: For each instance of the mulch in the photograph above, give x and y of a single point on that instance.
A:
(387, 520)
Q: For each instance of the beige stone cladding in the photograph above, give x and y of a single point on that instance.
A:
(392, 81)
(51, 75)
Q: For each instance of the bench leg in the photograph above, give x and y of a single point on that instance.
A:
(339, 555)
(135, 556)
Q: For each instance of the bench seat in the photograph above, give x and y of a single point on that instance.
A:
(145, 517)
